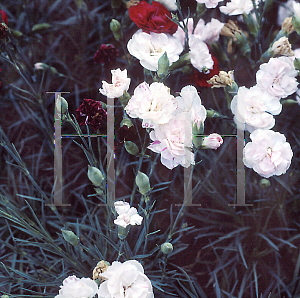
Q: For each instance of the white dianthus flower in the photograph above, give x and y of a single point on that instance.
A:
(278, 77)
(148, 48)
(125, 280)
(268, 154)
(74, 287)
(199, 54)
(255, 108)
(154, 104)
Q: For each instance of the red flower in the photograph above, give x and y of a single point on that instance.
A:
(200, 79)
(152, 18)
(3, 17)
(91, 112)
(106, 54)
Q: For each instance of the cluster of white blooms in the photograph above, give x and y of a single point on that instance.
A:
(120, 280)
(268, 154)
(148, 48)
(171, 118)
(199, 39)
(125, 280)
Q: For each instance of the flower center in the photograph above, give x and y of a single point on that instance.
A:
(155, 51)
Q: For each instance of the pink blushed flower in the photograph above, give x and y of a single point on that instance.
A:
(213, 141)
(127, 215)
(268, 154)
(278, 77)
(120, 84)
(173, 141)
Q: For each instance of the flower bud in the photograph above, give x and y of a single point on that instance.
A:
(243, 45)
(142, 181)
(233, 89)
(166, 248)
(81, 5)
(213, 141)
(251, 23)
(220, 54)
(212, 114)
(70, 237)
(163, 66)
(197, 139)
(44, 66)
(127, 122)
(115, 4)
(61, 105)
(297, 63)
(41, 26)
(123, 232)
(264, 183)
(289, 102)
(131, 148)
(201, 8)
(115, 28)
(296, 23)
(95, 175)
(16, 33)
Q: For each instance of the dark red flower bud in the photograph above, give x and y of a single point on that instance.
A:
(106, 54)
(90, 112)
(152, 18)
